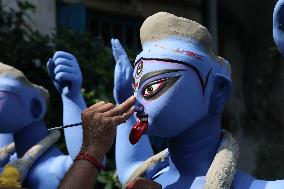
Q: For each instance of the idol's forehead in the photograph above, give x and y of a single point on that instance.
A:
(9, 83)
(146, 66)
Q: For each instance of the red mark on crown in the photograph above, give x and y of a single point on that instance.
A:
(188, 53)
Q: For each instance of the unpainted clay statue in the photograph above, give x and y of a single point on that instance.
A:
(181, 87)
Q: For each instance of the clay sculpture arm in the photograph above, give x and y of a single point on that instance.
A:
(66, 75)
(128, 156)
(5, 153)
(278, 25)
(99, 127)
(5, 139)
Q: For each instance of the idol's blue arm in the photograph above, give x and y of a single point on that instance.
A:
(128, 157)
(66, 75)
(5, 139)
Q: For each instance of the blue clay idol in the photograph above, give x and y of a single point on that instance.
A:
(22, 109)
(181, 86)
(66, 76)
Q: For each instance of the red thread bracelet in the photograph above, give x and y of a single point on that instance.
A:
(90, 158)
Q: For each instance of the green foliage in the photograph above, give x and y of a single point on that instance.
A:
(28, 51)
(95, 60)
(108, 179)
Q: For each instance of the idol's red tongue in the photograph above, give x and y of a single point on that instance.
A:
(137, 131)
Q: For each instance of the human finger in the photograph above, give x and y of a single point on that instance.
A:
(98, 104)
(117, 120)
(105, 107)
(122, 108)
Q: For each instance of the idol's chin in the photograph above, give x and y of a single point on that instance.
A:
(154, 130)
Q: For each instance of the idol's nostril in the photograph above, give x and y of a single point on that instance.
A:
(139, 108)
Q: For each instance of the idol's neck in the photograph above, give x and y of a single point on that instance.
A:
(29, 136)
(192, 152)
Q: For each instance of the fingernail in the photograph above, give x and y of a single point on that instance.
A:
(132, 98)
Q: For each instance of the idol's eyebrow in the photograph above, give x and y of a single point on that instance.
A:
(202, 82)
(156, 73)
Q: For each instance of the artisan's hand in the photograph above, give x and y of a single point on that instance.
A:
(122, 74)
(141, 183)
(65, 73)
(278, 25)
(99, 125)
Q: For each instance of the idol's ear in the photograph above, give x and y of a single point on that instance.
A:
(38, 107)
(278, 25)
(220, 94)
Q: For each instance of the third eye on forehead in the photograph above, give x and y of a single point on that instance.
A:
(156, 73)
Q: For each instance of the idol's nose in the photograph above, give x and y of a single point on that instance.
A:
(139, 108)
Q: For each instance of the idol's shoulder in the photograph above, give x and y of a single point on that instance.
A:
(49, 170)
(243, 180)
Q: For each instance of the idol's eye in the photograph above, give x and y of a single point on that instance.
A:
(153, 88)
(156, 88)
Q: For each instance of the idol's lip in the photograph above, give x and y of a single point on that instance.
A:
(137, 131)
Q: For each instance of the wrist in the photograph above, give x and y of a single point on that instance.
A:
(76, 98)
(96, 152)
(90, 158)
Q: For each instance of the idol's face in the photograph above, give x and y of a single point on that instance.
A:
(12, 112)
(14, 108)
(172, 96)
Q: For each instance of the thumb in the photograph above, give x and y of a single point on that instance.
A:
(50, 68)
(115, 52)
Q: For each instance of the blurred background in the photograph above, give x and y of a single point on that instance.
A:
(32, 30)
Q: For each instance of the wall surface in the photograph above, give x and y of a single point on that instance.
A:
(44, 18)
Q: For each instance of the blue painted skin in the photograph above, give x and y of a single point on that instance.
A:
(132, 156)
(5, 139)
(184, 113)
(278, 25)
(29, 128)
(66, 75)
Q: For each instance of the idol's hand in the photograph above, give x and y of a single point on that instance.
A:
(278, 25)
(65, 73)
(99, 125)
(122, 74)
